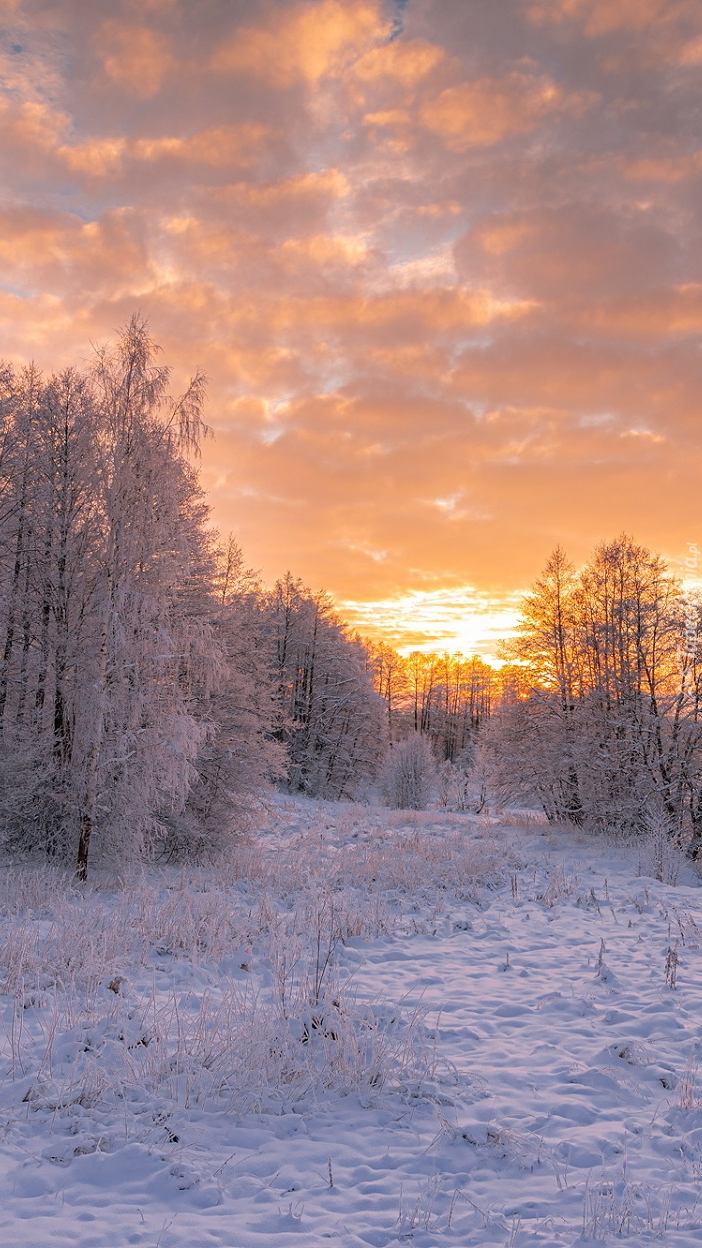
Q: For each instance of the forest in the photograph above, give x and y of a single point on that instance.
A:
(150, 686)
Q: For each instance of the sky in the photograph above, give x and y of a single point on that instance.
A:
(441, 261)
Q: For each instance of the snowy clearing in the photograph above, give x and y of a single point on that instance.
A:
(384, 1028)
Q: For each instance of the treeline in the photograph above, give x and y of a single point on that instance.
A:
(436, 706)
(601, 721)
(447, 698)
(148, 684)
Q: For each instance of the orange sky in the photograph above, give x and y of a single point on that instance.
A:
(441, 260)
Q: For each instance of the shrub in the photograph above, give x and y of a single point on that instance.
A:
(409, 774)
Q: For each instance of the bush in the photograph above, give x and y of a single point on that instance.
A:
(409, 774)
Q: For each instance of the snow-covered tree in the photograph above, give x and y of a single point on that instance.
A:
(329, 716)
(409, 773)
(241, 754)
(604, 724)
(114, 646)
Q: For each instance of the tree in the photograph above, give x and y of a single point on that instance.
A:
(109, 651)
(154, 650)
(447, 697)
(389, 673)
(328, 714)
(547, 647)
(630, 626)
(604, 726)
(241, 754)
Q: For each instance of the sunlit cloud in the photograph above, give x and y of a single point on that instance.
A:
(456, 621)
(406, 63)
(602, 16)
(691, 53)
(306, 42)
(485, 112)
(136, 57)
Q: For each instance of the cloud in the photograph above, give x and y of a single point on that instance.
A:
(488, 110)
(691, 52)
(444, 275)
(677, 167)
(306, 43)
(30, 127)
(405, 64)
(463, 619)
(575, 252)
(135, 57)
(57, 253)
(601, 17)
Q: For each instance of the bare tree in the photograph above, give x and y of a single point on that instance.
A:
(604, 725)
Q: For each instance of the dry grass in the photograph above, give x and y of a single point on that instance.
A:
(98, 1013)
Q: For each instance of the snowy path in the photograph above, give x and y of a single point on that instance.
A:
(559, 1106)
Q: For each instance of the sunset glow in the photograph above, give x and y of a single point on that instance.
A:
(436, 621)
(440, 259)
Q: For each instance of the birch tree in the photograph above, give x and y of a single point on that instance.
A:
(604, 725)
(154, 653)
(108, 643)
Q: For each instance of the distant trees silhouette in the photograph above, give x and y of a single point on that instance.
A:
(446, 697)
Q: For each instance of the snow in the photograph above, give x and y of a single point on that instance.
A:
(375, 1028)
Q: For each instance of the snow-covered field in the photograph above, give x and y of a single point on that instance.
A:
(375, 1028)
